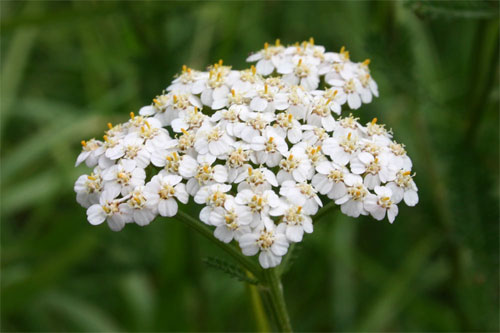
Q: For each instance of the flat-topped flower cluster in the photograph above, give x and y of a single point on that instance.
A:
(259, 149)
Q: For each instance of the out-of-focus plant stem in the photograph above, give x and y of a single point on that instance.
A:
(272, 291)
(269, 279)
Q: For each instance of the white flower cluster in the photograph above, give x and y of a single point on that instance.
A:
(258, 148)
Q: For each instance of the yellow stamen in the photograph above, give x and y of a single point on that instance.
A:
(299, 209)
(266, 45)
(105, 137)
(278, 43)
(176, 157)
(155, 101)
(205, 168)
(366, 62)
(342, 49)
(184, 131)
(233, 92)
(406, 173)
(92, 177)
(349, 136)
(374, 120)
(132, 115)
(221, 62)
(175, 98)
(184, 68)
(290, 117)
(83, 143)
(265, 88)
(250, 171)
(290, 157)
(300, 62)
(311, 41)
(271, 139)
(110, 126)
(254, 70)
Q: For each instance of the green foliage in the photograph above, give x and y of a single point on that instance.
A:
(230, 269)
(68, 68)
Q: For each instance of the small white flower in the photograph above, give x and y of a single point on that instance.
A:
(295, 166)
(288, 127)
(108, 209)
(403, 187)
(269, 148)
(123, 177)
(212, 140)
(162, 191)
(231, 221)
(88, 188)
(302, 195)
(330, 180)
(352, 202)
(297, 222)
(341, 150)
(378, 204)
(260, 179)
(271, 242)
(136, 207)
(375, 171)
(268, 58)
(92, 150)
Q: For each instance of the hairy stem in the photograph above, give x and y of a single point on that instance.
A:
(272, 291)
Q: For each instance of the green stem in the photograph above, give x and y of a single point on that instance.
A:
(270, 283)
(261, 318)
(273, 293)
(230, 249)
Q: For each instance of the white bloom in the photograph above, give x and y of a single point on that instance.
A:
(88, 188)
(301, 194)
(200, 174)
(108, 209)
(287, 126)
(297, 222)
(271, 242)
(137, 208)
(231, 221)
(162, 191)
(341, 150)
(259, 203)
(269, 148)
(123, 177)
(268, 58)
(257, 153)
(295, 165)
(375, 171)
(352, 202)
(378, 204)
(92, 150)
(300, 71)
(403, 187)
(212, 140)
(260, 179)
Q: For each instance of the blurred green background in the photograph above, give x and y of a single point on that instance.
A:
(67, 68)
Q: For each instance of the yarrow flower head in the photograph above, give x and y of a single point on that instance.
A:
(260, 150)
